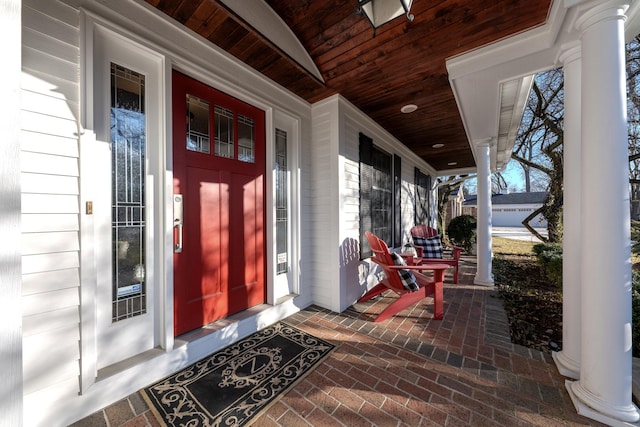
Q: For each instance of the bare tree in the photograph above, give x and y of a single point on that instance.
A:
(633, 119)
(538, 146)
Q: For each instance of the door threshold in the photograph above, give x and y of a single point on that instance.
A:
(218, 325)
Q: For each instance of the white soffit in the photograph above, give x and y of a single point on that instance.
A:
(260, 16)
(491, 84)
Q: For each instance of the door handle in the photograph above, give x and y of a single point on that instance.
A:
(177, 223)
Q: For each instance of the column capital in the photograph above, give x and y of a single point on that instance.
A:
(591, 13)
(489, 142)
(569, 52)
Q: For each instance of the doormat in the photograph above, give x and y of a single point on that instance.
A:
(237, 384)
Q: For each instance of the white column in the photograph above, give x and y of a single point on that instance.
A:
(11, 404)
(484, 274)
(568, 360)
(603, 392)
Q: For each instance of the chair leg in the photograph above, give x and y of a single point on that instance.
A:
(438, 296)
(438, 305)
(403, 301)
(455, 274)
(373, 292)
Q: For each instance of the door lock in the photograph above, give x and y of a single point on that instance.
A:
(177, 223)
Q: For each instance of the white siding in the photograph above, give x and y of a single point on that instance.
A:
(323, 213)
(50, 204)
(357, 275)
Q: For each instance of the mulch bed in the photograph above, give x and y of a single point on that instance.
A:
(533, 304)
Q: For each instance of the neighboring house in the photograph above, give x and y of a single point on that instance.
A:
(238, 230)
(454, 204)
(510, 209)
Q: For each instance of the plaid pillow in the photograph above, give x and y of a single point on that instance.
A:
(431, 246)
(407, 277)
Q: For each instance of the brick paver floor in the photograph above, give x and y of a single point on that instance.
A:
(410, 370)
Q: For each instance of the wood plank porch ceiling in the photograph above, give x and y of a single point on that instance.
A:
(403, 64)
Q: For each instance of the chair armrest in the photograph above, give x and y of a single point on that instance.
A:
(430, 266)
(457, 250)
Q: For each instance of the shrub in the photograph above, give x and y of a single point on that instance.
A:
(462, 231)
(635, 313)
(549, 256)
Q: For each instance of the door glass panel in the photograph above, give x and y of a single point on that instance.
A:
(223, 132)
(245, 139)
(198, 138)
(128, 134)
(282, 203)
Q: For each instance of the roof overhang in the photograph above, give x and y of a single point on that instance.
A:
(491, 84)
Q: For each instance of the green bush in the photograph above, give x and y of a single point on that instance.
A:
(549, 256)
(462, 231)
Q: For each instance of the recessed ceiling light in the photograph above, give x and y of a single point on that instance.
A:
(409, 108)
(437, 145)
(452, 163)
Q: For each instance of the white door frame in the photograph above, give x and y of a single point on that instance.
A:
(102, 45)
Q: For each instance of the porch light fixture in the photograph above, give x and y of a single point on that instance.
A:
(379, 12)
(439, 145)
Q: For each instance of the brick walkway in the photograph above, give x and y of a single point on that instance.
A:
(411, 371)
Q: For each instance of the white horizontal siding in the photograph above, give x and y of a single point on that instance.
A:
(32, 223)
(42, 322)
(37, 345)
(353, 282)
(49, 203)
(50, 196)
(48, 144)
(36, 283)
(49, 262)
(55, 19)
(49, 124)
(51, 85)
(50, 301)
(44, 243)
(48, 103)
(49, 184)
(323, 193)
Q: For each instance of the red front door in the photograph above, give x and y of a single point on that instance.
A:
(218, 168)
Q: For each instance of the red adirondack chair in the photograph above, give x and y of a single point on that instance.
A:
(425, 232)
(426, 285)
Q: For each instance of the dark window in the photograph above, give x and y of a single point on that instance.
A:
(423, 190)
(379, 197)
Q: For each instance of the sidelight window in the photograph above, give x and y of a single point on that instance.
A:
(128, 146)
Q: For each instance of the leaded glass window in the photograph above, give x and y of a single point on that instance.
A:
(128, 139)
(246, 139)
(198, 138)
(282, 203)
(223, 132)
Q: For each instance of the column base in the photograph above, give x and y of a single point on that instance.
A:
(483, 281)
(589, 406)
(566, 366)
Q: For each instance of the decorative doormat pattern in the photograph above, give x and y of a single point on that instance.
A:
(235, 385)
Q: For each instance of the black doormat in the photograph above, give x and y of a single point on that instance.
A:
(235, 385)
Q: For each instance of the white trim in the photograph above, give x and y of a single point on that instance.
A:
(96, 267)
(260, 16)
(204, 61)
(291, 125)
(382, 138)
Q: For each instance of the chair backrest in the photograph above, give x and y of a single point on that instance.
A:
(422, 230)
(382, 257)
